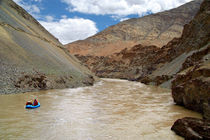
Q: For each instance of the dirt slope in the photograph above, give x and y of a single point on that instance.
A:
(31, 58)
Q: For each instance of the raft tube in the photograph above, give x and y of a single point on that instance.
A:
(32, 106)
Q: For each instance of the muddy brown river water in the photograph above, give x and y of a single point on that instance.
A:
(109, 110)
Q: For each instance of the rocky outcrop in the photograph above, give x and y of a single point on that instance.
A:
(192, 128)
(31, 58)
(192, 84)
(127, 64)
(192, 88)
(156, 29)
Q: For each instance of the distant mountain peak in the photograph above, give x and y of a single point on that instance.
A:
(155, 29)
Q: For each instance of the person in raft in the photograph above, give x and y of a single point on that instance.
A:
(29, 103)
(35, 102)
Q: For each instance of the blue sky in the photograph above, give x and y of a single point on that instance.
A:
(71, 20)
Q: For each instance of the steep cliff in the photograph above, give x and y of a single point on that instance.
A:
(31, 58)
(192, 84)
(156, 29)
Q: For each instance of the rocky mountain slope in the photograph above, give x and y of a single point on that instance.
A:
(156, 29)
(31, 58)
(151, 64)
(192, 83)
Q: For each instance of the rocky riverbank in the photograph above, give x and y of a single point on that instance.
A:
(192, 84)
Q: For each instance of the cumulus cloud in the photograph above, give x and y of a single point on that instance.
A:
(71, 29)
(31, 8)
(121, 7)
(49, 18)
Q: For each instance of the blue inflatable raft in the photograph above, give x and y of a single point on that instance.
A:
(32, 107)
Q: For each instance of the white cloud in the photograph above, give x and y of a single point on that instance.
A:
(49, 18)
(17, 1)
(121, 7)
(71, 29)
(64, 16)
(31, 8)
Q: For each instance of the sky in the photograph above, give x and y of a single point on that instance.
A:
(71, 20)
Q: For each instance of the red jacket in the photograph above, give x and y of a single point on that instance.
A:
(35, 102)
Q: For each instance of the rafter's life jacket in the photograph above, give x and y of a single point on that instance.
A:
(35, 102)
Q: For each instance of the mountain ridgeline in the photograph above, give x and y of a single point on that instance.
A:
(31, 58)
(156, 29)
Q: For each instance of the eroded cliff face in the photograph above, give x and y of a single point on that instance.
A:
(192, 84)
(31, 58)
(157, 29)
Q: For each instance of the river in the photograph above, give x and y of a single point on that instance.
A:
(109, 110)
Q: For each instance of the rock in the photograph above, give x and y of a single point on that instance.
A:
(192, 128)
(191, 86)
(191, 89)
(206, 110)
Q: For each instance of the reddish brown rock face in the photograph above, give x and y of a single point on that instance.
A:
(157, 29)
(192, 85)
(192, 88)
(192, 128)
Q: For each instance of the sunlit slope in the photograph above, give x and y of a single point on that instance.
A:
(31, 58)
(155, 29)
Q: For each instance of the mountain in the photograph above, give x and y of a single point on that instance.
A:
(31, 58)
(154, 65)
(156, 29)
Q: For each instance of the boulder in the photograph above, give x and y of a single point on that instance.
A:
(192, 128)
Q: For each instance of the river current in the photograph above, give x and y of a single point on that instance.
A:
(109, 110)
